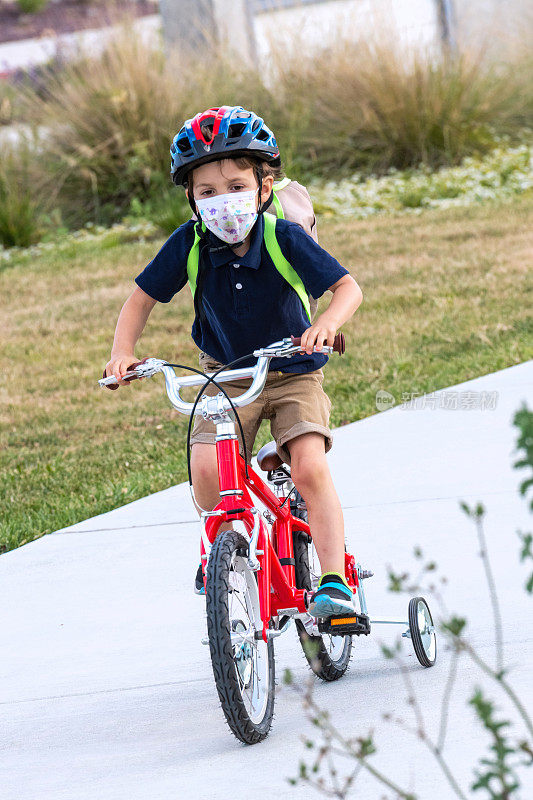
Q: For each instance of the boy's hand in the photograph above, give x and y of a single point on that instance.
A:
(321, 332)
(118, 366)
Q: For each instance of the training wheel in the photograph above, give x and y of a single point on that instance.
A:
(422, 631)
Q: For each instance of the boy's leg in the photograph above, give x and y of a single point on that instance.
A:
(312, 477)
(301, 429)
(204, 466)
(205, 475)
(206, 490)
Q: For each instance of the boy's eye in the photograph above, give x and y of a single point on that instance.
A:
(237, 187)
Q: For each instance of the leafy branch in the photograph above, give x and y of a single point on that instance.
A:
(334, 743)
(496, 773)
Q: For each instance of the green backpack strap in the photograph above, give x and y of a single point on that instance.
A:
(279, 185)
(281, 263)
(193, 260)
(277, 205)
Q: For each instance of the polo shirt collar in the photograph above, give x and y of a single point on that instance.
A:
(221, 253)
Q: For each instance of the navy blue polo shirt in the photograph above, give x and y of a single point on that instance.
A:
(248, 304)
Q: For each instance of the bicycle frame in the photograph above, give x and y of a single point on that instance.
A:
(272, 556)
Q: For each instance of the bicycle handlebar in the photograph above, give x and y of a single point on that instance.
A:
(173, 383)
(339, 343)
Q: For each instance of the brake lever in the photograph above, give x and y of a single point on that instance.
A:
(286, 348)
(141, 369)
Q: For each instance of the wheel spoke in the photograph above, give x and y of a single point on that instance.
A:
(250, 659)
(243, 665)
(333, 652)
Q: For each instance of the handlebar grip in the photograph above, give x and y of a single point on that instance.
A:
(114, 386)
(339, 342)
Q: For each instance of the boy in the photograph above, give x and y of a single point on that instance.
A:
(226, 158)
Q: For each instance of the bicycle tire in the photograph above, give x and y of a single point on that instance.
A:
(315, 648)
(227, 574)
(425, 651)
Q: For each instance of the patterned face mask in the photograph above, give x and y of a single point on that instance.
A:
(230, 217)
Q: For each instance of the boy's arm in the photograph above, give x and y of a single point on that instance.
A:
(130, 325)
(347, 297)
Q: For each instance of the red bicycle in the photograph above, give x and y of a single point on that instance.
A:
(259, 576)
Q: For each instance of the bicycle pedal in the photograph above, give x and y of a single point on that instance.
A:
(345, 625)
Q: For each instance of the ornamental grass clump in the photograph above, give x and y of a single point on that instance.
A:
(358, 106)
(111, 121)
(373, 106)
(21, 207)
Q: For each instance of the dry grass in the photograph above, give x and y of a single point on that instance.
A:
(370, 105)
(447, 297)
(111, 120)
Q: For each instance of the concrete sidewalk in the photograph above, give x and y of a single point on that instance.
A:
(108, 693)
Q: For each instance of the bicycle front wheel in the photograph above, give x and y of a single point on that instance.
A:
(243, 666)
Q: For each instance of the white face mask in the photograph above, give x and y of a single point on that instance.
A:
(230, 217)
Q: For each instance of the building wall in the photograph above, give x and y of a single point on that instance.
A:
(413, 23)
(494, 24)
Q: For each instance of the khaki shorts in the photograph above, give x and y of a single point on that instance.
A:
(294, 404)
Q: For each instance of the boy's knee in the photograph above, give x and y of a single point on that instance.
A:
(309, 466)
(308, 475)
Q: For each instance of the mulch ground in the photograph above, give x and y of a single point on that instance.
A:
(66, 16)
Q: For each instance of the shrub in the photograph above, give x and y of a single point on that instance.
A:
(112, 119)
(168, 211)
(31, 6)
(20, 209)
(358, 106)
(371, 106)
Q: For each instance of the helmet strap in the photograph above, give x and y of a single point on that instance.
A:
(259, 174)
(269, 201)
(192, 205)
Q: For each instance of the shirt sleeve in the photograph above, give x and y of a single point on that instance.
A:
(166, 274)
(316, 267)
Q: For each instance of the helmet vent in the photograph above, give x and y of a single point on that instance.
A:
(236, 129)
(184, 145)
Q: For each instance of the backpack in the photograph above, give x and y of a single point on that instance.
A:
(291, 201)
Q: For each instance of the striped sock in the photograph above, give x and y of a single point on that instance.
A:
(334, 577)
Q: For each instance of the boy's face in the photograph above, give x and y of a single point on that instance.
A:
(225, 177)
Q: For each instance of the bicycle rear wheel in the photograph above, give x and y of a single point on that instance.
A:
(328, 656)
(243, 666)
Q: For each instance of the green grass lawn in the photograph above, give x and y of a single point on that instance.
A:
(447, 297)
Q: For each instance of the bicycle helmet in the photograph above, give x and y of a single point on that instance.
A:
(235, 132)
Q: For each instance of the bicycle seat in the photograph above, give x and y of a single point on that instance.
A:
(267, 457)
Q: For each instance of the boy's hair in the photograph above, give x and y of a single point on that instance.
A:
(261, 169)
